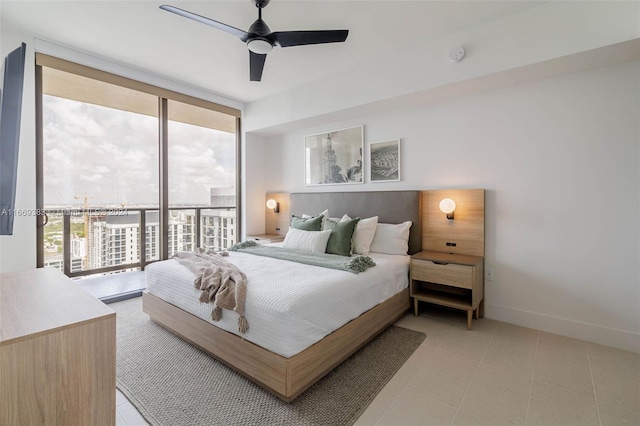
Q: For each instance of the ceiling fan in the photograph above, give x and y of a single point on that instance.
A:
(260, 39)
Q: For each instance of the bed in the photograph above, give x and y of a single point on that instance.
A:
(293, 339)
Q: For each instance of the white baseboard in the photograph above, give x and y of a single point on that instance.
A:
(621, 339)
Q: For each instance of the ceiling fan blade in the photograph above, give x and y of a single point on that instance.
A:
(298, 38)
(242, 35)
(256, 65)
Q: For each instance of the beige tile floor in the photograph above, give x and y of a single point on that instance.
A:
(497, 374)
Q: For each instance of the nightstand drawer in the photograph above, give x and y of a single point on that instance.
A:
(448, 274)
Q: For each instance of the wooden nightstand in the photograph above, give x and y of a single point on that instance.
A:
(452, 280)
(266, 238)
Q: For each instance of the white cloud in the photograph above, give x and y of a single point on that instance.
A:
(112, 156)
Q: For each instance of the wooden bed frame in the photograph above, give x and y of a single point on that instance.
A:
(289, 377)
(285, 377)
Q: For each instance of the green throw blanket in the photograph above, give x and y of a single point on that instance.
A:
(350, 264)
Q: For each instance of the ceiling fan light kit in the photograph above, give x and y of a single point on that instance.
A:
(260, 39)
(259, 46)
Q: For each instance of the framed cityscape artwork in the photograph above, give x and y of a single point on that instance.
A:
(384, 161)
(334, 157)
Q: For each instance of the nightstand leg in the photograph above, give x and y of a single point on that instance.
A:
(477, 311)
(469, 317)
(481, 309)
(415, 306)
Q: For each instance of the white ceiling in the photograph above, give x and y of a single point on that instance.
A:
(139, 34)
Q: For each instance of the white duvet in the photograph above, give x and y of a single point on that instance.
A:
(289, 306)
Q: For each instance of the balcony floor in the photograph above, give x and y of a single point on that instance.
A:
(115, 287)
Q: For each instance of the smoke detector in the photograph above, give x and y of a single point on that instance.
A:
(456, 54)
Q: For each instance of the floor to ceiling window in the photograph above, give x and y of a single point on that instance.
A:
(99, 165)
(129, 173)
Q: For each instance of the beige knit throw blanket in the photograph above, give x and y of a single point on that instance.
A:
(221, 282)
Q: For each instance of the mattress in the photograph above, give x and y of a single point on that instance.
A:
(289, 306)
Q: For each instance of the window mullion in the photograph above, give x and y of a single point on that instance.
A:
(163, 120)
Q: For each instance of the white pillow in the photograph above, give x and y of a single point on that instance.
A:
(325, 215)
(391, 239)
(315, 241)
(363, 234)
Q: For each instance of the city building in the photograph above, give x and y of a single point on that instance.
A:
(218, 229)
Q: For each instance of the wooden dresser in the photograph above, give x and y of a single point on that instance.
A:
(57, 352)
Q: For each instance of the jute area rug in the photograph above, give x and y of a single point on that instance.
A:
(173, 383)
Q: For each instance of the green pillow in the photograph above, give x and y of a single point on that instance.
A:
(341, 234)
(310, 224)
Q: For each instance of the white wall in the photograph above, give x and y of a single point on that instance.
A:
(554, 157)
(255, 167)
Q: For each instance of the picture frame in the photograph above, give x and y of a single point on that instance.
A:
(335, 157)
(384, 161)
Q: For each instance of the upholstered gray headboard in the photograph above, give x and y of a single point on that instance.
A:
(389, 206)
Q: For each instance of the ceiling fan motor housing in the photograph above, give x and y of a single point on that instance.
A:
(259, 27)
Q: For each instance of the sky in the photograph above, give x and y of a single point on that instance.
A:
(111, 156)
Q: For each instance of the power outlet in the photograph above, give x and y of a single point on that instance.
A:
(488, 274)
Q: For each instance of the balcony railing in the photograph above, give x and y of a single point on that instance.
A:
(110, 242)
